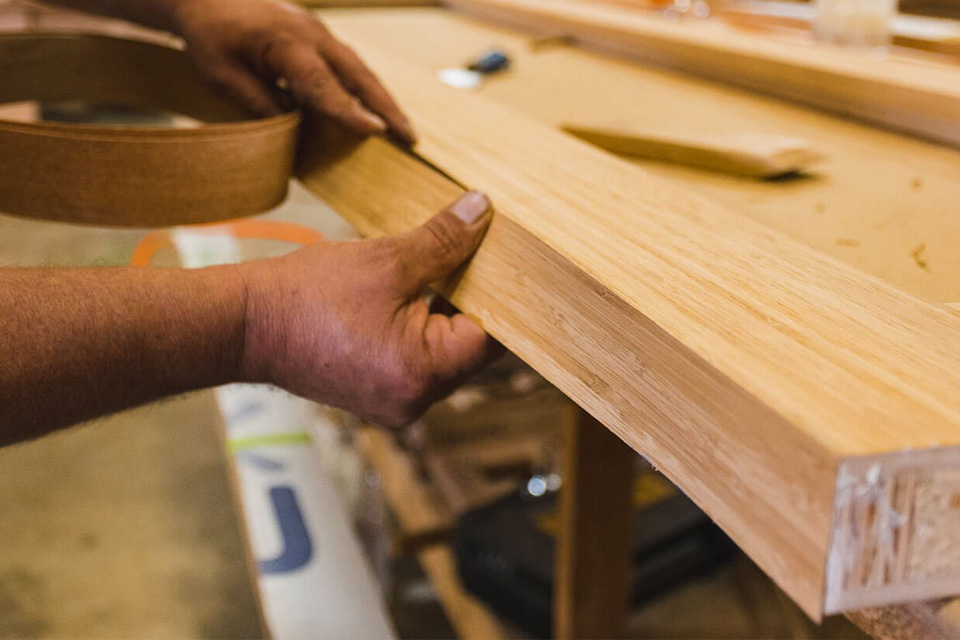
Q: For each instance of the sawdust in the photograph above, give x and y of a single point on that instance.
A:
(919, 258)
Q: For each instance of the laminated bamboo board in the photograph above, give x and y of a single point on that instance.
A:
(810, 409)
(905, 94)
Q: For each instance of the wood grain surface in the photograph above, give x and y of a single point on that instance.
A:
(907, 94)
(879, 201)
(745, 365)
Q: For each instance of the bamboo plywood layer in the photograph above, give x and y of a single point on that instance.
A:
(758, 374)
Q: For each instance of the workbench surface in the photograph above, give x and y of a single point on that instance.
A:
(880, 201)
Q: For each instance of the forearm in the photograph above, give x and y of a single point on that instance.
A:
(80, 343)
(158, 14)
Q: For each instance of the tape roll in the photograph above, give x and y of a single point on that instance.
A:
(132, 175)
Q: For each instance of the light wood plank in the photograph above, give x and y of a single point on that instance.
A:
(795, 18)
(932, 619)
(868, 208)
(909, 95)
(746, 154)
(753, 371)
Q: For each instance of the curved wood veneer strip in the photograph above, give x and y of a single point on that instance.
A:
(132, 175)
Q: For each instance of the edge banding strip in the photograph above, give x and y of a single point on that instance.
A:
(132, 176)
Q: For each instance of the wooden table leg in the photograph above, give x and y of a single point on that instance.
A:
(594, 539)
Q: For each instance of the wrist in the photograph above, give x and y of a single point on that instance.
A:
(218, 297)
(261, 340)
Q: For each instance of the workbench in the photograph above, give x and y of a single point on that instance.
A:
(880, 201)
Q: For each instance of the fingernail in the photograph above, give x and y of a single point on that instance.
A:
(375, 121)
(471, 206)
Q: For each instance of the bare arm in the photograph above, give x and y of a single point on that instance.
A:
(80, 343)
(340, 322)
(244, 47)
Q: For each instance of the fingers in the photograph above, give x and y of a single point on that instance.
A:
(457, 348)
(243, 87)
(446, 349)
(315, 86)
(357, 78)
(248, 51)
(437, 248)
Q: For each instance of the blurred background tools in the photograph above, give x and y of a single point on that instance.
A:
(472, 74)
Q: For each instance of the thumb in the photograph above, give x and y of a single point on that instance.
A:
(435, 249)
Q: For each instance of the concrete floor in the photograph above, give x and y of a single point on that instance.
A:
(124, 528)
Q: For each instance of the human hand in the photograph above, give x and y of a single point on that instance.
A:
(344, 323)
(244, 47)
